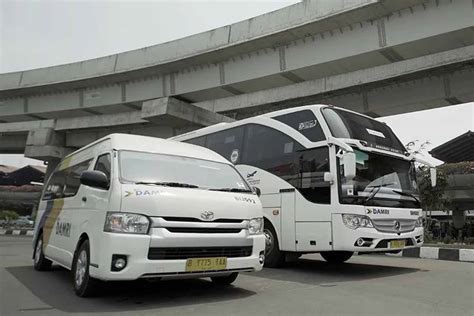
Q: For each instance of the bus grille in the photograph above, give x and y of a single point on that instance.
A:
(198, 252)
(388, 225)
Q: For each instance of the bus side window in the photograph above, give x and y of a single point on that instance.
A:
(304, 122)
(227, 143)
(103, 164)
(200, 141)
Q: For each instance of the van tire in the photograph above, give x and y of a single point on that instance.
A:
(336, 256)
(40, 263)
(274, 258)
(225, 280)
(84, 284)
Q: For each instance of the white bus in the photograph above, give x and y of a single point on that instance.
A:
(331, 181)
(128, 207)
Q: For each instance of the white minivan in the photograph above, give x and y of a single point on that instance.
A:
(127, 207)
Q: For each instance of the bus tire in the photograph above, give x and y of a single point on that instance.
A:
(40, 263)
(84, 284)
(274, 258)
(336, 256)
(225, 280)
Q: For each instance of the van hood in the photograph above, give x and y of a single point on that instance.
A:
(161, 201)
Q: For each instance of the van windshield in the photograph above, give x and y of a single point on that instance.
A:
(179, 171)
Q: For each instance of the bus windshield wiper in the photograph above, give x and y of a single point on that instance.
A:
(170, 184)
(407, 194)
(375, 190)
(232, 190)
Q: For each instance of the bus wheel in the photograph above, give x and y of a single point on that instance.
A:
(84, 284)
(274, 258)
(225, 280)
(39, 261)
(336, 256)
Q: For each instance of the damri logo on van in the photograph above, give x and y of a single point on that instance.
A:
(249, 175)
(207, 215)
(142, 193)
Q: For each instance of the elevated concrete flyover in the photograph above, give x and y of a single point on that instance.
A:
(379, 57)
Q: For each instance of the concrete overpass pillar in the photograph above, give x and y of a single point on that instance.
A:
(47, 145)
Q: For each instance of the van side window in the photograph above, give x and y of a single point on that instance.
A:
(103, 164)
(227, 143)
(73, 175)
(304, 122)
(65, 183)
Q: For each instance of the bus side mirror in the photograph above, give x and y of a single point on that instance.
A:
(257, 191)
(95, 179)
(349, 162)
(433, 176)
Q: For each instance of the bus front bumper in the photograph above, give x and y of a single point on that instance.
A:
(372, 240)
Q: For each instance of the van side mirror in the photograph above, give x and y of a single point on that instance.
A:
(349, 162)
(433, 175)
(95, 179)
(257, 191)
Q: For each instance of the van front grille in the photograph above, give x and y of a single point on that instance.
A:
(198, 252)
(203, 230)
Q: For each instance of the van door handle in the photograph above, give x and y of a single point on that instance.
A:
(84, 199)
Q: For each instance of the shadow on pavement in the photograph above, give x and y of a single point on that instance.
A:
(318, 272)
(55, 289)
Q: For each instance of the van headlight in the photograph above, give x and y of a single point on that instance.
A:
(355, 221)
(128, 223)
(419, 222)
(255, 226)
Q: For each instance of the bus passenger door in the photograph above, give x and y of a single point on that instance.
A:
(288, 241)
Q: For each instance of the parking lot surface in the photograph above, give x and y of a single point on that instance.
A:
(365, 285)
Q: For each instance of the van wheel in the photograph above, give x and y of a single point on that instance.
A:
(40, 263)
(274, 258)
(84, 284)
(225, 280)
(336, 256)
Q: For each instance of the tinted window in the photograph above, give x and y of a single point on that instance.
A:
(282, 156)
(103, 164)
(344, 124)
(304, 122)
(200, 141)
(227, 143)
(65, 183)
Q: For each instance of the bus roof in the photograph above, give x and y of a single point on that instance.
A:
(155, 145)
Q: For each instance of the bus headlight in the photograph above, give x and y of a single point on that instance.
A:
(419, 222)
(128, 223)
(355, 221)
(255, 226)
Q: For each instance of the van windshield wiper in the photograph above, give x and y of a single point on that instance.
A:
(232, 190)
(375, 190)
(407, 194)
(170, 184)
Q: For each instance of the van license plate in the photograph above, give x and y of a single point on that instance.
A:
(397, 244)
(206, 264)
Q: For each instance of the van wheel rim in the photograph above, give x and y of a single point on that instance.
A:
(81, 266)
(38, 250)
(269, 242)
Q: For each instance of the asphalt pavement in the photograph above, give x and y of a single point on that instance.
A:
(365, 285)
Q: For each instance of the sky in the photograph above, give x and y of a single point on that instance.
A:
(44, 33)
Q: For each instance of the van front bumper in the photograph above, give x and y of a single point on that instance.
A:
(136, 250)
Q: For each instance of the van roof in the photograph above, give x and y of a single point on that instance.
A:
(156, 145)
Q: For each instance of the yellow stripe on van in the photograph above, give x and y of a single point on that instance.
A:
(51, 219)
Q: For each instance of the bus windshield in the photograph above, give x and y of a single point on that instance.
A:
(345, 124)
(152, 168)
(380, 181)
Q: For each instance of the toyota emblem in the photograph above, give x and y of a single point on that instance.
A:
(207, 215)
